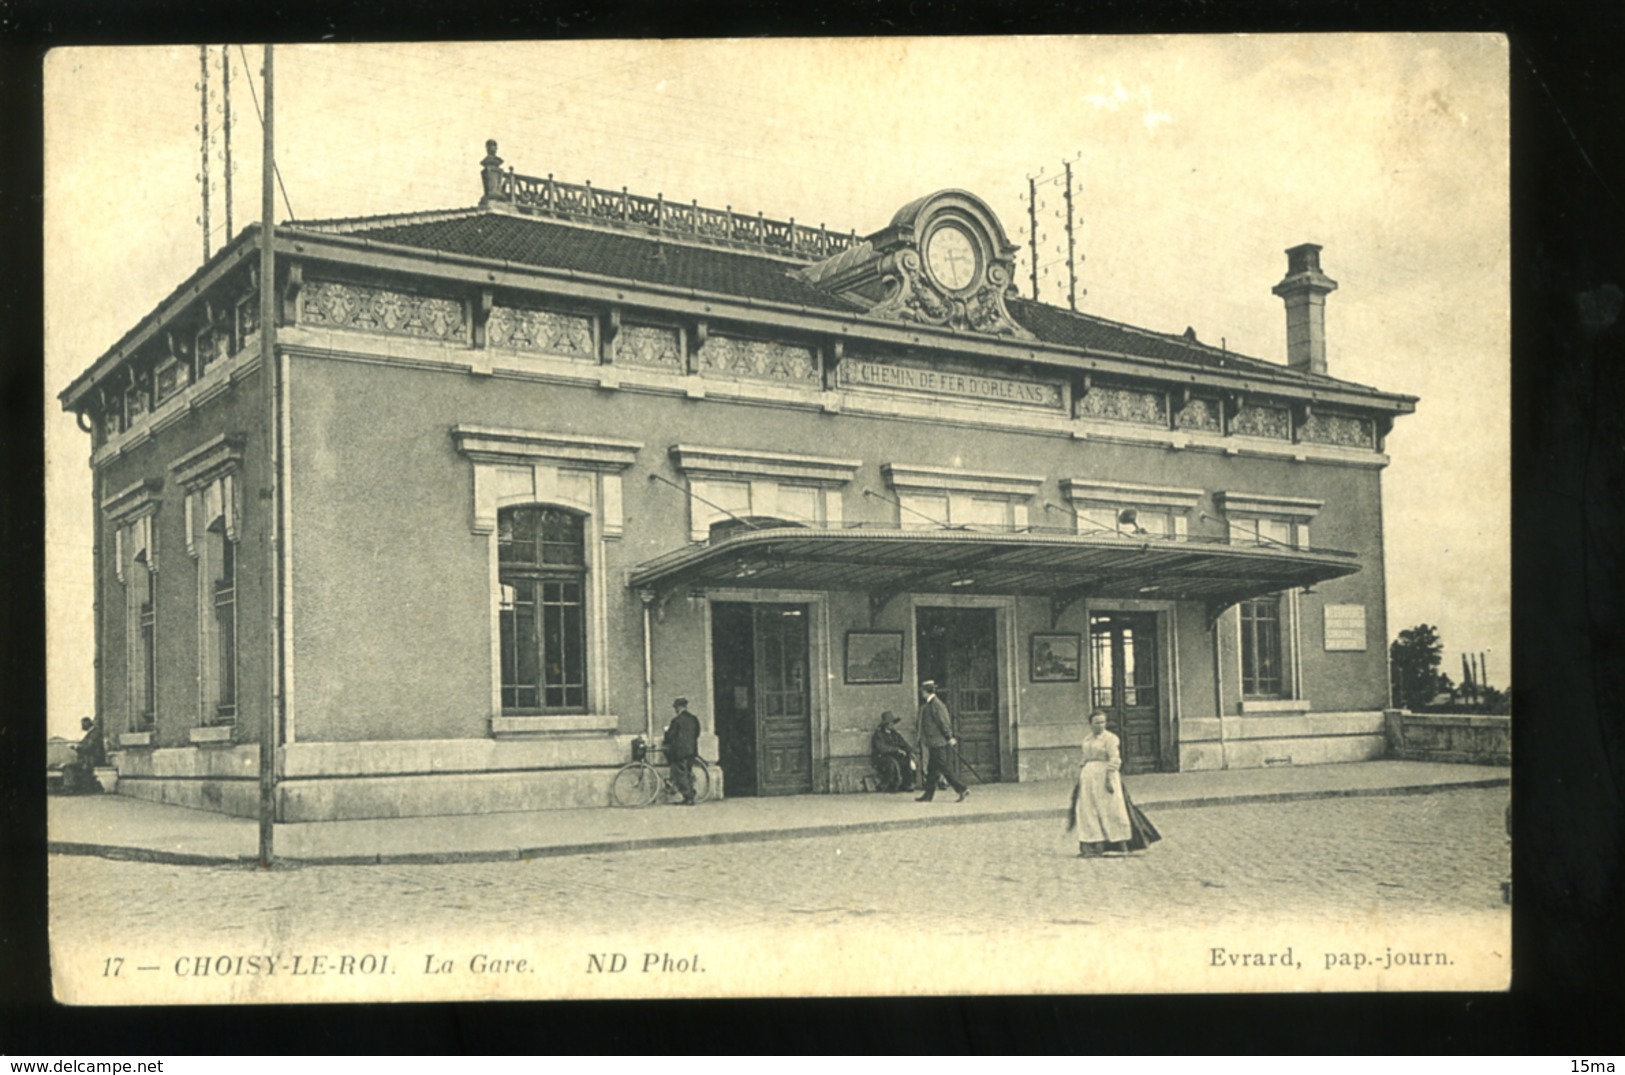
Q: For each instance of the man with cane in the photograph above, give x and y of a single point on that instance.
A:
(937, 739)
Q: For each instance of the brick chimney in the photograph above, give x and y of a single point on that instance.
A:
(1304, 291)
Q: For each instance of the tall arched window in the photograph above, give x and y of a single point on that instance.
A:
(542, 569)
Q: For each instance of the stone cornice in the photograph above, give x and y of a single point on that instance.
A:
(1296, 507)
(485, 444)
(906, 477)
(1084, 489)
(742, 463)
(687, 303)
(134, 500)
(209, 461)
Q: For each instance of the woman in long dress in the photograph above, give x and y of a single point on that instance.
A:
(1099, 812)
(1105, 817)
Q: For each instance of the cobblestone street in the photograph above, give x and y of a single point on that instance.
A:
(1365, 860)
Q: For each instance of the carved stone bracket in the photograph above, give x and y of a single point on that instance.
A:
(484, 303)
(696, 341)
(833, 354)
(291, 287)
(611, 329)
(1302, 411)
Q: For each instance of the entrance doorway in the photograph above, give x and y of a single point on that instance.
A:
(958, 648)
(1123, 666)
(759, 680)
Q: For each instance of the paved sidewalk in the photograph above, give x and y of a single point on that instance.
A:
(114, 826)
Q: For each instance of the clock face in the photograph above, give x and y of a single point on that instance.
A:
(951, 257)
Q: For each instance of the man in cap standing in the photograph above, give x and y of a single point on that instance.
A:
(682, 746)
(937, 739)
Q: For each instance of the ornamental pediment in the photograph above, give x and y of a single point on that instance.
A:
(944, 260)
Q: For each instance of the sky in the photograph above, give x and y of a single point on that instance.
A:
(1196, 161)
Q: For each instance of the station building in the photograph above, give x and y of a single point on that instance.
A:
(532, 468)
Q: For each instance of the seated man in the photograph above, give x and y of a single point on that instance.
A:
(79, 775)
(892, 756)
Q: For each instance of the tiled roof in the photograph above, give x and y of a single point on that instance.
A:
(1068, 328)
(548, 244)
(640, 257)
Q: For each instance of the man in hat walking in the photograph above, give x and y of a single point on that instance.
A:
(937, 739)
(682, 746)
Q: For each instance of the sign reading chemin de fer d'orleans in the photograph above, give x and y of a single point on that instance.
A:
(861, 373)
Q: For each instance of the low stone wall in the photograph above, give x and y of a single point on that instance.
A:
(1262, 741)
(1451, 737)
(408, 778)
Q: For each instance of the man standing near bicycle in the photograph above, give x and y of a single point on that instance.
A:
(682, 746)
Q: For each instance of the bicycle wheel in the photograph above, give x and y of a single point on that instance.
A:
(702, 780)
(636, 784)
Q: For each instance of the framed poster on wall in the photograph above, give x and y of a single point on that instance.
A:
(1056, 658)
(874, 656)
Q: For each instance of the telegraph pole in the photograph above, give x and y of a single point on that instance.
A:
(1070, 224)
(271, 543)
(203, 138)
(1071, 247)
(225, 95)
(1032, 229)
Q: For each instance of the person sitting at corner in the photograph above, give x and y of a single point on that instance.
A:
(79, 775)
(682, 746)
(893, 758)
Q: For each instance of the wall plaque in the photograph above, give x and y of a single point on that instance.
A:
(863, 373)
(1345, 627)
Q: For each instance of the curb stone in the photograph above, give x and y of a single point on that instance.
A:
(799, 832)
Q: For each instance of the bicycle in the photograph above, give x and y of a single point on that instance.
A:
(640, 782)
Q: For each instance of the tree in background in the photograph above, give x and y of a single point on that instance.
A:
(1413, 661)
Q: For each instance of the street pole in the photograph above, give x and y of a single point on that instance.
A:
(270, 539)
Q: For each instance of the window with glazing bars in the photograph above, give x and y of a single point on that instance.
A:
(224, 559)
(1261, 647)
(149, 652)
(542, 574)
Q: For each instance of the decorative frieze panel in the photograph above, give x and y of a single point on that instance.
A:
(1348, 430)
(548, 331)
(1137, 405)
(649, 345)
(763, 359)
(171, 378)
(1261, 420)
(1199, 414)
(213, 343)
(375, 309)
(248, 316)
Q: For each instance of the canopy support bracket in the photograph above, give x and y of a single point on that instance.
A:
(1061, 600)
(1217, 608)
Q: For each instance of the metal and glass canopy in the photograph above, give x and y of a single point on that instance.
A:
(1063, 566)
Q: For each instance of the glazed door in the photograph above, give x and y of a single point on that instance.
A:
(958, 647)
(733, 682)
(764, 715)
(1123, 664)
(783, 717)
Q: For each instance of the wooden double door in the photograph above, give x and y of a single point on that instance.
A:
(958, 648)
(1124, 676)
(763, 708)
